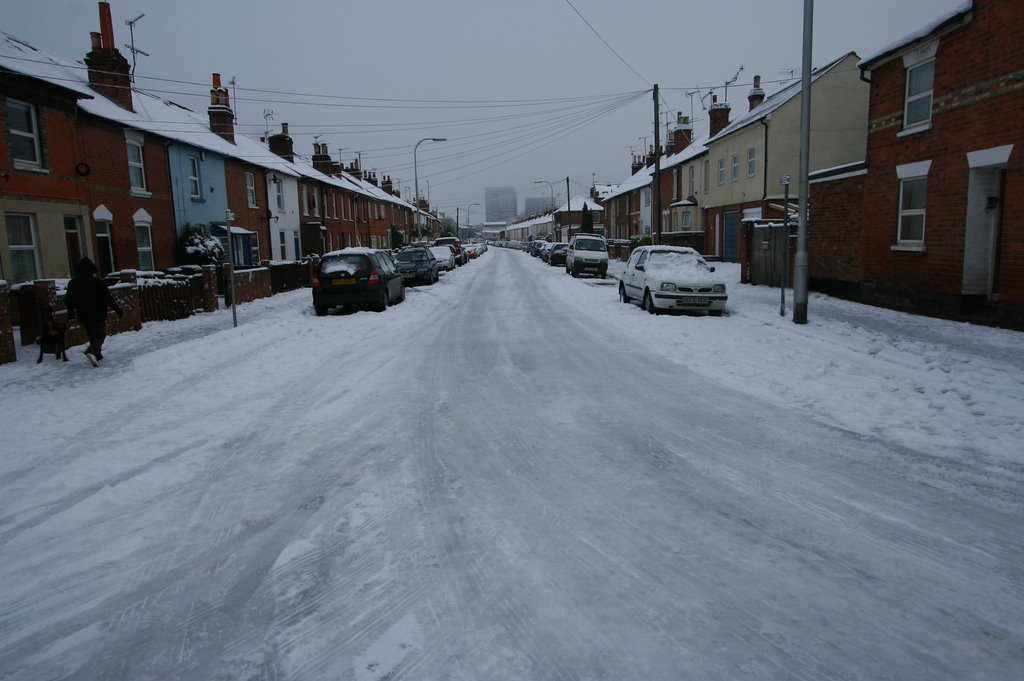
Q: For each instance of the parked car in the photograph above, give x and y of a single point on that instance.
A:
(473, 251)
(356, 277)
(535, 247)
(672, 278)
(456, 244)
(418, 265)
(557, 254)
(587, 254)
(545, 250)
(445, 256)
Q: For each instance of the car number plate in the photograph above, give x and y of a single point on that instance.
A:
(693, 301)
(343, 282)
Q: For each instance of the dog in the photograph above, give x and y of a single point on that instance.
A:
(52, 338)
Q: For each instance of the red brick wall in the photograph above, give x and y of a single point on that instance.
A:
(107, 155)
(835, 211)
(978, 95)
(254, 219)
(252, 284)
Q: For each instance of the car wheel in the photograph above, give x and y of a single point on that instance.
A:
(715, 313)
(623, 298)
(401, 296)
(382, 303)
(574, 273)
(649, 303)
(321, 310)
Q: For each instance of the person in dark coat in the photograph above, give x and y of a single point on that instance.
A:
(88, 298)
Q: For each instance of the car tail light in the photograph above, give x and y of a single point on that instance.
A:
(316, 281)
(374, 278)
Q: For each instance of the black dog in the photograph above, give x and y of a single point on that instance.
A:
(52, 338)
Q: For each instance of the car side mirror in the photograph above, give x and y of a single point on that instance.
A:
(711, 269)
(642, 268)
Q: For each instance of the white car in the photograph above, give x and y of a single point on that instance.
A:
(445, 257)
(672, 278)
(587, 254)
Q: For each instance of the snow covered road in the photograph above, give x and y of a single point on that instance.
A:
(512, 476)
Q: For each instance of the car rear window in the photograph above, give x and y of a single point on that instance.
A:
(352, 264)
(412, 256)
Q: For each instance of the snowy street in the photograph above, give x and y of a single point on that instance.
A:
(512, 475)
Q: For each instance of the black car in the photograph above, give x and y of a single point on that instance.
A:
(356, 277)
(557, 254)
(418, 265)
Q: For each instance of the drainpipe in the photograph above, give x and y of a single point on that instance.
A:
(862, 76)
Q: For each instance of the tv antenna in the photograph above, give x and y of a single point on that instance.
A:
(790, 74)
(730, 82)
(131, 48)
(268, 116)
(234, 99)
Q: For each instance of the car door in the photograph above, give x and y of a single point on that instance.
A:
(630, 275)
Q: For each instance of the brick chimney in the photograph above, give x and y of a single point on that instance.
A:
(354, 170)
(638, 164)
(386, 185)
(321, 159)
(756, 95)
(682, 133)
(109, 72)
(281, 144)
(371, 177)
(719, 114)
(222, 118)
(651, 155)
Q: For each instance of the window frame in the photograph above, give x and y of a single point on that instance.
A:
(145, 251)
(735, 170)
(195, 180)
(134, 139)
(751, 162)
(34, 135)
(721, 171)
(32, 247)
(911, 212)
(250, 189)
(909, 99)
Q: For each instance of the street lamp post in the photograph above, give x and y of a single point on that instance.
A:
(551, 187)
(467, 215)
(416, 173)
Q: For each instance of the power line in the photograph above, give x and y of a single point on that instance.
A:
(606, 43)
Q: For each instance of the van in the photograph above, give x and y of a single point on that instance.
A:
(587, 254)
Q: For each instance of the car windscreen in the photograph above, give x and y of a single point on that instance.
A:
(351, 264)
(412, 256)
(675, 260)
(559, 248)
(442, 252)
(590, 245)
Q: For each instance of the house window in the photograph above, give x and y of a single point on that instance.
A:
(105, 247)
(721, 171)
(675, 184)
(918, 109)
(315, 201)
(687, 221)
(136, 161)
(707, 176)
(735, 167)
(254, 244)
(305, 200)
(751, 162)
(21, 243)
(334, 205)
(912, 204)
(195, 187)
(250, 189)
(21, 119)
(73, 240)
(279, 192)
(282, 246)
(144, 244)
(691, 170)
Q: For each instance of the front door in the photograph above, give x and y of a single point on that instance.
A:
(981, 232)
(732, 233)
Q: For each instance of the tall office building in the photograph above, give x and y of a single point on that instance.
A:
(500, 203)
(537, 204)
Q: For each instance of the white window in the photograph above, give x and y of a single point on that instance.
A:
(692, 191)
(912, 208)
(735, 167)
(707, 176)
(675, 184)
(255, 247)
(315, 195)
(918, 108)
(250, 189)
(282, 247)
(136, 161)
(279, 193)
(195, 186)
(751, 162)
(22, 122)
(105, 246)
(305, 200)
(687, 221)
(334, 205)
(21, 243)
(144, 244)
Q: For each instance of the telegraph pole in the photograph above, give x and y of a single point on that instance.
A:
(656, 200)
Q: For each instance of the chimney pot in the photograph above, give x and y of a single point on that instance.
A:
(107, 26)
(284, 128)
(216, 80)
(96, 40)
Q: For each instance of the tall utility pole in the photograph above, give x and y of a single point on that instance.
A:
(800, 260)
(568, 207)
(656, 201)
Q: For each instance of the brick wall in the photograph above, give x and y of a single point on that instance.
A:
(7, 348)
(253, 219)
(835, 213)
(252, 285)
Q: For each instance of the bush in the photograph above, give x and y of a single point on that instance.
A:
(638, 240)
(196, 246)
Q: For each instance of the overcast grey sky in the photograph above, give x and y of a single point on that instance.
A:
(499, 55)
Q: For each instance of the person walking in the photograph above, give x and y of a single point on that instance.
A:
(88, 298)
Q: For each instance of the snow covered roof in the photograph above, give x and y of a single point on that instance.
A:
(925, 31)
(640, 178)
(18, 56)
(774, 101)
(576, 204)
